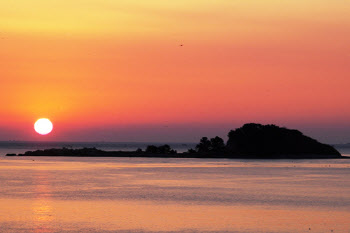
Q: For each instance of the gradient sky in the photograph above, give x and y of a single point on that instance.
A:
(114, 70)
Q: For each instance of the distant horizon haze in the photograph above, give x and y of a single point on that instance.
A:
(179, 133)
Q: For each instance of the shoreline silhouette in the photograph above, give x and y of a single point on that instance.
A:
(251, 141)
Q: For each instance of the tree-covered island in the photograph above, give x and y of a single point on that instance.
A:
(251, 141)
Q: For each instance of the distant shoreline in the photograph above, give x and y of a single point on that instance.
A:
(93, 152)
(251, 141)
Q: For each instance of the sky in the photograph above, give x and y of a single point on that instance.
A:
(115, 70)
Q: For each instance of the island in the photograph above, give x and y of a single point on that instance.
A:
(251, 141)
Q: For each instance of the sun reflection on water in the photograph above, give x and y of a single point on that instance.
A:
(42, 204)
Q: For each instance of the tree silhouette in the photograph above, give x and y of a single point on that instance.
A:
(261, 140)
(164, 149)
(204, 145)
(213, 145)
(217, 144)
(152, 149)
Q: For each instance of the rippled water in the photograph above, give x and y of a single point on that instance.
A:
(51, 194)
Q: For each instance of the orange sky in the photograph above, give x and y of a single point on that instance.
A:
(112, 66)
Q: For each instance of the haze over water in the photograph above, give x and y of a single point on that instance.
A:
(55, 194)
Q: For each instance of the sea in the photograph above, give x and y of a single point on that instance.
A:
(67, 194)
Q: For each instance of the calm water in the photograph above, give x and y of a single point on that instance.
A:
(52, 194)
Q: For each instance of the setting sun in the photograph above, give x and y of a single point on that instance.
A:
(175, 116)
(43, 126)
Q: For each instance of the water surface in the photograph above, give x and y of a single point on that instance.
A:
(55, 194)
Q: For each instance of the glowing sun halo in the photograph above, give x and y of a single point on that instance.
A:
(43, 126)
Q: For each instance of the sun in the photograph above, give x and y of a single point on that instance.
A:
(43, 126)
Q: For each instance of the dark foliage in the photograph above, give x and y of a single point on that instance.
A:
(213, 145)
(66, 152)
(204, 145)
(217, 144)
(152, 149)
(139, 150)
(250, 141)
(191, 151)
(165, 149)
(261, 140)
